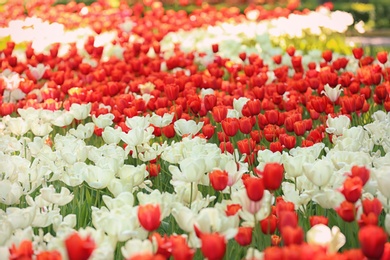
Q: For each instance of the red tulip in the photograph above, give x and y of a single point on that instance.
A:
(382, 56)
(372, 241)
(327, 55)
(215, 47)
(352, 189)
(79, 248)
(149, 216)
(232, 209)
(254, 188)
(245, 125)
(219, 113)
(273, 253)
(219, 179)
(213, 246)
(268, 225)
(358, 53)
(347, 211)
(230, 126)
(372, 206)
(24, 251)
(292, 235)
(315, 220)
(272, 176)
(244, 236)
(49, 255)
(171, 91)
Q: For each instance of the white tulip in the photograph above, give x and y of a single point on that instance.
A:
(83, 131)
(6, 229)
(125, 198)
(20, 218)
(62, 118)
(184, 127)
(337, 125)
(191, 170)
(111, 135)
(332, 93)
(323, 236)
(134, 175)
(319, 172)
(103, 120)
(135, 247)
(38, 71)
(97, 177)
(138, 122)
(293, 165)
(163, 121)
(80, 111)
(382, 177)
(17, 125)
(10, 193)
(49, 194)
(327, 198)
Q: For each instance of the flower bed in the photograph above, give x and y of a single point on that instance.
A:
(122, 140)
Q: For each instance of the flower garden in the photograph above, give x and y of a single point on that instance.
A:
(138, 132)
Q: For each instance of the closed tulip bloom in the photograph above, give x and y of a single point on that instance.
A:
(254, 188)
(213, 246)
(292, 235)
(372, 206)
(352, 189)
(149, 216)
(382, 56)
(244, 236)
(319, 172)
(268, 225)
(219, 113)
(245, 125)
(219, 179)
(272, 176)
(315, 220)
(362, 172)
(230, 126)
(372, 241)
(347, 211)
(79, 248)
(172, 91)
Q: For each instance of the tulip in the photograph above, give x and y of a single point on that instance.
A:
(316, 220)
(347, 211)
(213, 246)
(254, 188)
(23, 251)
(332, 93)
(352, 189)
(149, 216)
(268, 225)
(219, 179)
(372, 241)
(230, 126)
(244, 236)
(358, 53)
(272, 176)
(78, 247)
(319, 172)
(292, 235)
(372, 206)
(331, 239)
(382, 56)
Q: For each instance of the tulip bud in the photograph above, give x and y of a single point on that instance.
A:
(372, 241)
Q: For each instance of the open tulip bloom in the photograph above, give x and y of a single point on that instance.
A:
(146, 133)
